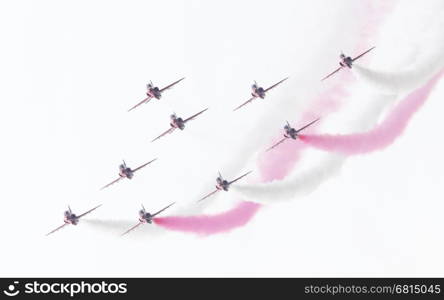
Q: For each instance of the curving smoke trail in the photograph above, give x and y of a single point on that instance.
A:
(430, 45)
(383, 134)
(211, 224)
(396, 83)
(284, 190)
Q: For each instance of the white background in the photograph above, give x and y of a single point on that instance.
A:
(70, 70)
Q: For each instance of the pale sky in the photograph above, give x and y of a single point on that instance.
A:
(70, 71)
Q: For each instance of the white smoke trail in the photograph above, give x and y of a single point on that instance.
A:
(283, 190)
(396, 83)
(415, 54)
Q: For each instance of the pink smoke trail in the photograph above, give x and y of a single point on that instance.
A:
(211, 224)
(381, 136)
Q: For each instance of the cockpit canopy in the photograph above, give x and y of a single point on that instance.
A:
(146, 216)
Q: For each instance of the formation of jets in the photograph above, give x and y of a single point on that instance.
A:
(178, 123)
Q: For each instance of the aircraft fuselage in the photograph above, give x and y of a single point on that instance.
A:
(222, 184)
(290, 132)
(177, 122)
(70, 218)
(145, 217)
(257, 91)
(125, 172)
(154, 92)
(346, 61)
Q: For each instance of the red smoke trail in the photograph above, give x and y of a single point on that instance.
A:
(211, 224)
(381, 136)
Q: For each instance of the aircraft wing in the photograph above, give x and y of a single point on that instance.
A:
(277, 144)
(239, 177)
(85, 213)
(362, 54)
(309, 124)
(337, 70)
(111, 183)
(165, 133)
(246, 102)
(131, 229)
(193, 116)
(274, 85)
(58, 228)
(162, 209)
(210, 194)
(138, 168)
(171, 85)
(146, 100)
